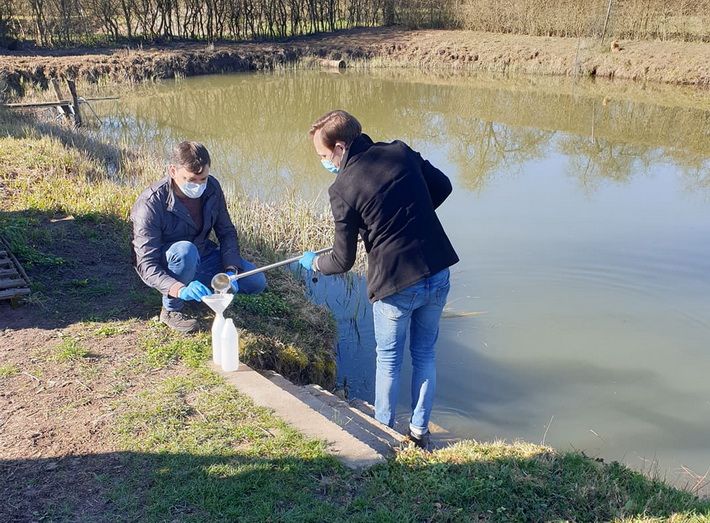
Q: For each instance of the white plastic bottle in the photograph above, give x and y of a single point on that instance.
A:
(217, 328)
(230, 346)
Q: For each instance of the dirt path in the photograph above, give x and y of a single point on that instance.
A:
(66, 358)
(668, 62)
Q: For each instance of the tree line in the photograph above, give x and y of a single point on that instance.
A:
(63, 22)
(71, 22)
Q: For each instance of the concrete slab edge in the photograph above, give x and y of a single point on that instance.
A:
(305, 412)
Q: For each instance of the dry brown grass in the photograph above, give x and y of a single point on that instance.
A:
(633, 19)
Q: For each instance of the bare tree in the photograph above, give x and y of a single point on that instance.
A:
(388, 14)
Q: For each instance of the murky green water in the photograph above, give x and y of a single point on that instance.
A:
(581, 213)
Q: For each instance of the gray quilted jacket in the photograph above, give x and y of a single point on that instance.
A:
(160, 219)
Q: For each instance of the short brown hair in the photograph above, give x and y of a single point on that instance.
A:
(193, 156)
(336, 126)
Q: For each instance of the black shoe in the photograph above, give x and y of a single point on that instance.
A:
(179, 321)
(422, 442)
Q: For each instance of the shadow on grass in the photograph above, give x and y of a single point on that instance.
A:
(80, 270)
(162, 487)
(129, 486)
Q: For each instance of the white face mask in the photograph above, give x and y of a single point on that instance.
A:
(193, 190)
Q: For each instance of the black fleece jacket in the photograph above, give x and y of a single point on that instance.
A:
(387, 193)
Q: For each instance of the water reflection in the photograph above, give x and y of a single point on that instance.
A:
(255, 126)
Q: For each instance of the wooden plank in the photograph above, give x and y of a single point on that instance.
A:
(10, 284)
(14, 282)
(16, 262)
(13, 293)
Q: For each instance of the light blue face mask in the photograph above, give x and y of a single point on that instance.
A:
(330, 166)
(193, 190)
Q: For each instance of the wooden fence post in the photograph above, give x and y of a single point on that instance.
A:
(75, 101)
(64, 110)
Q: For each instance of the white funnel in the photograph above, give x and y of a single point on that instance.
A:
(218, 302)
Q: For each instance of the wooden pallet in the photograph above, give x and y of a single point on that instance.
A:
(14, 282)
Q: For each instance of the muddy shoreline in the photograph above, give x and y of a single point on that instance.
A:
(680, 63)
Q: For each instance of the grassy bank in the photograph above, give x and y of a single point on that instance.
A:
(108, 416)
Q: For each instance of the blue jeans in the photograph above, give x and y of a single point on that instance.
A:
(185, 265)
(416, 309)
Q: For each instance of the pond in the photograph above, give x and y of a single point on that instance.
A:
(580, 311)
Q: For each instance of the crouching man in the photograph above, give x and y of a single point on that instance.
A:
(172, 221)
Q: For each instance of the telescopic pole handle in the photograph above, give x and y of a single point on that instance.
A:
(273, 265)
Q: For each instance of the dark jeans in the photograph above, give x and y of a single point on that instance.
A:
(185, 265)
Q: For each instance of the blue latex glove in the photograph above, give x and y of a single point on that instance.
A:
(195, 291)
(235, 283)
(306, 260)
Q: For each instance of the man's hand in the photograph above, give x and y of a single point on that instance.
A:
(234, 283)
(306, 260)
(195, 291)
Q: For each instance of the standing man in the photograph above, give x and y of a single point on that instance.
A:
(172, 220)
(387, 193)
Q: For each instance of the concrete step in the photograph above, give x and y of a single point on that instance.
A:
(359, 415)
(354, 438)
(362, 417)
(440, 437)
(365, 428)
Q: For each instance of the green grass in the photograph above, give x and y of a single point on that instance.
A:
(8, 370)
(109, 330)
(90, 288)
(265, 304)
(163, 346)
(521, 482)
(70, 349)
(24, 236)
(206, 453)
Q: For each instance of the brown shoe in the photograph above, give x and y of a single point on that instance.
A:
(179, 321)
